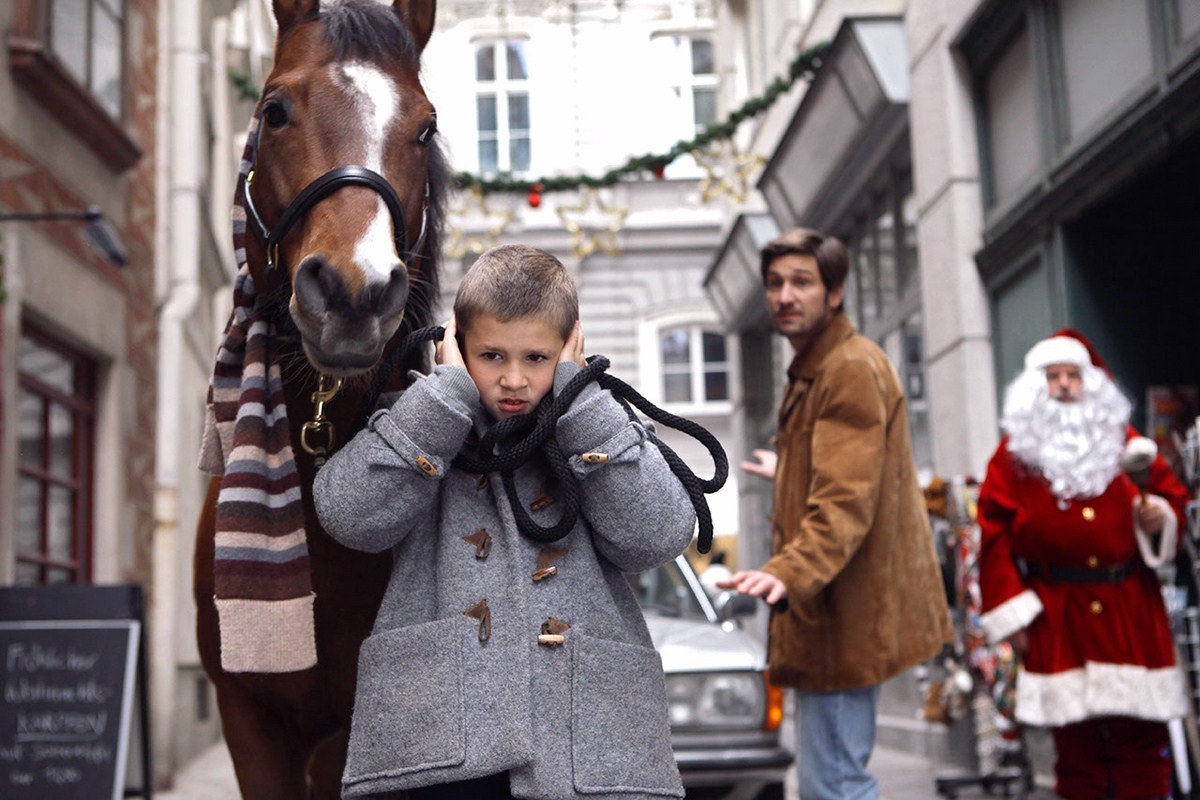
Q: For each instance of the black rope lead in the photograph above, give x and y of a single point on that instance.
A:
(512, 442)
(390, 363)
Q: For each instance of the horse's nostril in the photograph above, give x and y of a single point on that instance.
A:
(394, 295)
(315, 285)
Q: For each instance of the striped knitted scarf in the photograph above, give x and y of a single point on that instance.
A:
(263, 589)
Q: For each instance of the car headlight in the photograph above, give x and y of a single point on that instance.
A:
(716, 700)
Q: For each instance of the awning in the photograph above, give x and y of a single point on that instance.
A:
(733, 281)
(846, 124)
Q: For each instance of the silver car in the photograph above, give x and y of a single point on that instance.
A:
(725, 716)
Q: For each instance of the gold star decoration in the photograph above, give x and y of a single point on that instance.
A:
(736, 166)
(593, 224)
(473, 227)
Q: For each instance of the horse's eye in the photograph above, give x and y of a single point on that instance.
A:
(275, 114)
(426, 134)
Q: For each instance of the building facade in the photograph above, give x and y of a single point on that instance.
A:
(79, 346)
(1087, 131)
(130, 109)
(992, 181)
(999, 170)
(78, 341)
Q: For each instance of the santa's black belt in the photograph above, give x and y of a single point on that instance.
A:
(1060, 574)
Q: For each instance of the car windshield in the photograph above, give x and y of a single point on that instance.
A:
(664, 590)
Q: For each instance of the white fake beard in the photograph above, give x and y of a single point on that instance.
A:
(1075, 446)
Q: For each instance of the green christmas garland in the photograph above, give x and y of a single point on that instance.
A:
(805, 65)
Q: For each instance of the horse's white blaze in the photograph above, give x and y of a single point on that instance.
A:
(376, 100)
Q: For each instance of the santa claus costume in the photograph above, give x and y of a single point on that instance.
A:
(1063, 559)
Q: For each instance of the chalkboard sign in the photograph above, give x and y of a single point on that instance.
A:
(70, 661)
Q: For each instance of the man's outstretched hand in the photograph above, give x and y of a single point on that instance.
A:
(756, 583)
(763, 466)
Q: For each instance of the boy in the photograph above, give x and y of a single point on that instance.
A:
(500, 666)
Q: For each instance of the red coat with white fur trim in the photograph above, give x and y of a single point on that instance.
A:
(1095, 649)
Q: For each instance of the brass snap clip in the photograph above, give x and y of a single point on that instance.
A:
(327, 387)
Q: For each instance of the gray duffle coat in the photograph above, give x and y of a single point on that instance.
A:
(476, 665)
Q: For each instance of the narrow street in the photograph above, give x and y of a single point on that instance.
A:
(902, 776)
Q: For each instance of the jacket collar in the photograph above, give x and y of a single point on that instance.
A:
(806, 364)
(803, 369)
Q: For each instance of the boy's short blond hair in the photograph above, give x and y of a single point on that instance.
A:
(512, 281)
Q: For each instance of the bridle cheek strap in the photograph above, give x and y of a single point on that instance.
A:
(321, 188)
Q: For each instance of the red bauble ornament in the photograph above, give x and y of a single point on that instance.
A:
(535, 195)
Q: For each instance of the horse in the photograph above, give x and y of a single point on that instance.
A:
(347, 174)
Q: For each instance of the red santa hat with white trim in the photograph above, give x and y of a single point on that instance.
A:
(1066, 346)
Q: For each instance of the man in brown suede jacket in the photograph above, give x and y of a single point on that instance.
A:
(853, 583)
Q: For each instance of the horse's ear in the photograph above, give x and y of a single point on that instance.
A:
(292, 12)
(418, 15)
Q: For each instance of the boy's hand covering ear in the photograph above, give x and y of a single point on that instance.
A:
(447, 351)
(573, 348)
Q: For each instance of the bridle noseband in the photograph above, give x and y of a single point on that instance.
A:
(322, 187)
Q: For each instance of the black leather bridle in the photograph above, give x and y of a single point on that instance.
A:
(318, 189)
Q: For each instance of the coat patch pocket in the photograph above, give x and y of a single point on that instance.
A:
(620, 738)
(408, 712)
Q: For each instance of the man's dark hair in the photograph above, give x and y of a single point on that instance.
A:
(833, 260)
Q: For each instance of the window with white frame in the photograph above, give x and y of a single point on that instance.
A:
(502, 107)
(691, 66)
(694, 365)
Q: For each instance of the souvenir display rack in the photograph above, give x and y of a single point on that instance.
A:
(1182, 601)
(977, 680)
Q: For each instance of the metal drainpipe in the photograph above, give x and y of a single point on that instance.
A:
(182, 127)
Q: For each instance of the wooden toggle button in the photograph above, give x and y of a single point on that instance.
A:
(482, 541)
(545, 564)
(426, 466)
(552, 632)
(595, 458)
(481, 612)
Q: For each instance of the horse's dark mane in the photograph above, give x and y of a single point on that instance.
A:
(425, 291)
(368, 31)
